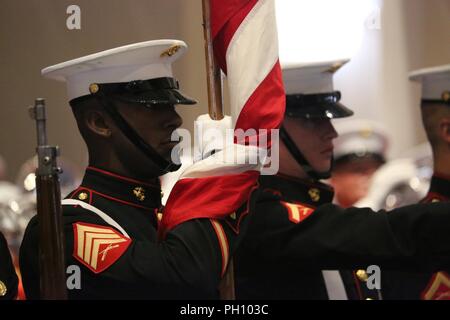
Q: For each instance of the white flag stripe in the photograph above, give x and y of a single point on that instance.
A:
(220, 165)
(245, 73)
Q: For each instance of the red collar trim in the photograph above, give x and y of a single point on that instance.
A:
(117, 176)
(112, 198)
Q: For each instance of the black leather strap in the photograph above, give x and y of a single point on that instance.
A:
(133, 136)
(300, 158)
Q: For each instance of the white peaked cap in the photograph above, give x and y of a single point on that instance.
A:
(435, 82)
(309, 78)
(360, 137)
(138, 61)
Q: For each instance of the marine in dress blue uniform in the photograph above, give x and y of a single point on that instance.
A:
(8, 277)
(123, 100)
(295, 232)
(435, 108)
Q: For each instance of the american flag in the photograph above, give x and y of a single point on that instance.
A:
(246, 47)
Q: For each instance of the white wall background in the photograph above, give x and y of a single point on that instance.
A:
(385, 40)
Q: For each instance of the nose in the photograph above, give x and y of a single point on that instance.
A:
(331, 132)
(175, 121)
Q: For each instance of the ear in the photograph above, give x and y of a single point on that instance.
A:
(444, 130)
(98, 123)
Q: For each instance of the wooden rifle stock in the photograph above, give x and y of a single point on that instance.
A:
(49, 211)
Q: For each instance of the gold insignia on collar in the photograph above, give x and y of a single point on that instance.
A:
(314, 194)
(3, 289)
(171, 51)
(233, 216)
(446, 96)
(83, 196)
(139, 192)
(93, 88)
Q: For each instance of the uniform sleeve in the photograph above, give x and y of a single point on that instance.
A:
(189, 263)
(8, 277)
(329, 237)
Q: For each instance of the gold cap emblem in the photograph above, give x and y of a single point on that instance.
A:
(171, 51)
(362, 275)
(446, 96)
(93, 88)
(3, 289)
(314, 194)
(139, 192)
(83, 196)
(366, 133)
(335, 67)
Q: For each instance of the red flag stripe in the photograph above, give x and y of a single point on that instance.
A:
(204, 198)
(265, 107)
(225, 26)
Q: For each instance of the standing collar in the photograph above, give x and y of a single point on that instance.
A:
(298, 190)
(440, 185)
(125, 190)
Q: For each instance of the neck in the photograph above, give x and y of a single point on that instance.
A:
(441, 161)
(289, 166)
(119, 168)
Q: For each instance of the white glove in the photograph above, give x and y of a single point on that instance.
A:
(211, 135)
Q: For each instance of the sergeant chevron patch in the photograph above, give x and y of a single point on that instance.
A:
(98, 247)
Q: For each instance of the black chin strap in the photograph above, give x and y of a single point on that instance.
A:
(135, 138)
(300, 158)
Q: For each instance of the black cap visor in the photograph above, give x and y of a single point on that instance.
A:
(316, 106)
(146, 92)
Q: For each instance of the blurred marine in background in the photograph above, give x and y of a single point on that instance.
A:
(435, 108)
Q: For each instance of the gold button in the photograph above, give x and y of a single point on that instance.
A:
(159, 216)
(83, 196)
(362, 275)
(314, 193)
(233, 216)
(93, 88)
(3, 289)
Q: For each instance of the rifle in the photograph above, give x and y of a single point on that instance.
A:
(49, 211)
(215, 110)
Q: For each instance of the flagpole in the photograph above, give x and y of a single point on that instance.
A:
(213, 73)
(215, 110)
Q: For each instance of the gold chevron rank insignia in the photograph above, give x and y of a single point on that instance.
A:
(98, 247)
(297, 212)
(438, 287)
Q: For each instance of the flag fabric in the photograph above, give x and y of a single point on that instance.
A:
(246, 47)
